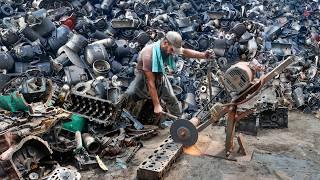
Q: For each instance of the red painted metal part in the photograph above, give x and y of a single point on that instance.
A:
(69, 21)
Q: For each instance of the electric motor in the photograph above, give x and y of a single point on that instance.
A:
(238, 77)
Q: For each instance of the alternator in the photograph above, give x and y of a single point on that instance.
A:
(238, 77)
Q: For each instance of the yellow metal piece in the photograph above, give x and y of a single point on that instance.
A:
(101, 164)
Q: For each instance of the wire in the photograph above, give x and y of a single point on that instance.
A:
(205, 106)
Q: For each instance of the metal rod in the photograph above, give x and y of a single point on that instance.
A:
(221, 157)
(208, 103)
(170, 115)
(209, 80)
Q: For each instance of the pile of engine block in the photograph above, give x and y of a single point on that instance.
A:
(64, 64)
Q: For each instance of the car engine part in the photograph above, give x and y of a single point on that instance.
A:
(158, 163)
(98, 110)
(23, 158)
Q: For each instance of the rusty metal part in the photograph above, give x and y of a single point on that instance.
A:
(230, 129)
(6, 140)
(30, 126)
(19, 160)
(138, 135)
(113, 150)
(159, 163)
(215, 112)
(82, 87)
(170, 115)
(95, 109)
(115, 146)
(47, 123)
(135, 139)
(9, 120)
(85, 161)
(61, 140)
(242, 144)
(101, 68)
(134, 152)
(33, 125)
(90, 143)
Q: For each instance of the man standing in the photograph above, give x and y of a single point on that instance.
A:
(155, 61)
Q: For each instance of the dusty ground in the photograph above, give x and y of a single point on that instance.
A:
(292, 153)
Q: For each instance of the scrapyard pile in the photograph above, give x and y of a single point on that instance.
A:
(65, 63)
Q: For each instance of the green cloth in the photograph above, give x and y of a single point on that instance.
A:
(77, 123)
(13, 102)
(157, 59)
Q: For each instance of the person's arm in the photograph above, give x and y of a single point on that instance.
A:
(153, 92)
(189, 53)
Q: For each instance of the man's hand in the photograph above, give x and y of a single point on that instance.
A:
(209, 54)
(189, 53)
(153, 92)
(157, 110)
(255, 65)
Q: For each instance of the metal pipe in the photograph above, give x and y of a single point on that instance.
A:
(107, 43)
(90, 143)
(78, 139)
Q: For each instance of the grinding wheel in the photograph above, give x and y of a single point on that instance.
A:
(183, 131)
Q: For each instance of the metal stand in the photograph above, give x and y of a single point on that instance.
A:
(186, 132)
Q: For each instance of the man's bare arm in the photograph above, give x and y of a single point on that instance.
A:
(153, 91)
(189, 53)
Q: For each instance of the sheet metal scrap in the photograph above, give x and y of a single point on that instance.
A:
(157, 164)
(9, 120)
(33, 125)
(26, 125)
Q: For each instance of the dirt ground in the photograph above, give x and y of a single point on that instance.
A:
(292, 153)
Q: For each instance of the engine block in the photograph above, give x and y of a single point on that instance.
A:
(95, 109)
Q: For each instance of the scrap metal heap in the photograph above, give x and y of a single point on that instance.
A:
(64, 64)
(36, 136)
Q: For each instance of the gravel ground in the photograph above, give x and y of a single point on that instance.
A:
(291, 153)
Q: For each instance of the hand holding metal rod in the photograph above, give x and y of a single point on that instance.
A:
(170, 115)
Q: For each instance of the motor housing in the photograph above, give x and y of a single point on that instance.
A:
(238, 77)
